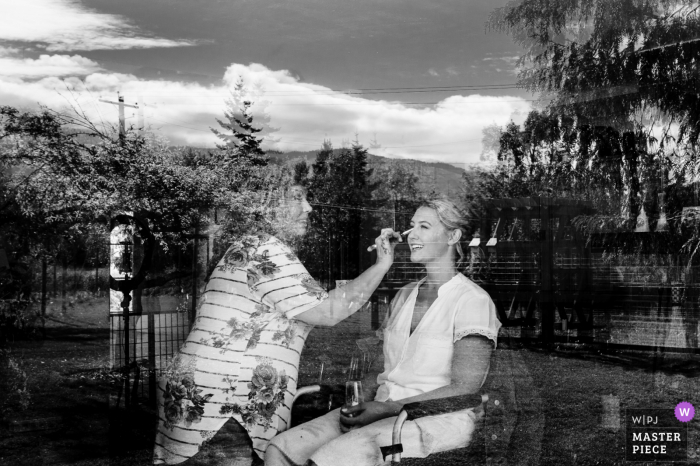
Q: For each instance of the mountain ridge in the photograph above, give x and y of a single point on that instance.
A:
(440, 177)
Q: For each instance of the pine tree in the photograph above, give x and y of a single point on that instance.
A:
(242, 138)
(301, 173)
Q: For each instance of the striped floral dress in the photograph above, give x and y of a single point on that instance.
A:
(241, 357)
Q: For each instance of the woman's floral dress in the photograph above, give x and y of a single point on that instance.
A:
(241, 357)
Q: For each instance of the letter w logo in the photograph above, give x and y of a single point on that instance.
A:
(684, 411)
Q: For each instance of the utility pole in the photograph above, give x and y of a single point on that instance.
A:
(121, 105)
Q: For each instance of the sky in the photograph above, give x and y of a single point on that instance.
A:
(413, 79)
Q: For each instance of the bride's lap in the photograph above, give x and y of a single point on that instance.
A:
(322, 441)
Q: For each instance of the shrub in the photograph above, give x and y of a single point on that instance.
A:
(14, 395)
(17, 319)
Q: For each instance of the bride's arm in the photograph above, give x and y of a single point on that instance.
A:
(470, 365)
(345, 301)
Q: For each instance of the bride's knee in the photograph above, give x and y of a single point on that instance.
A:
(273, 455)
(277, 442)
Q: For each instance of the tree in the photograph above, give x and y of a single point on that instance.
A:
(551, 156)
(616, 77)
(242, 137)
(301, 173)
(62, 174)
(609, 61)
(340, 188)
(397, 182)
(540, 159)
(490, 137)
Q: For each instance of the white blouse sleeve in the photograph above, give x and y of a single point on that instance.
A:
(476, 315)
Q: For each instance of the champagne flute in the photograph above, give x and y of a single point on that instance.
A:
(353, 386)
(353, 394)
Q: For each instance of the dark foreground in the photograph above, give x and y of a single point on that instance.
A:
(559, 406)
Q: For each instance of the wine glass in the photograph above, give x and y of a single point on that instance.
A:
(353, 386)
(353, 393)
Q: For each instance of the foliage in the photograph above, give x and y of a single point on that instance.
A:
(490, 142)
(18, 318)
(56, 179)
(243, 138)
(301, 173)
(611, 62)
(62, 179)
(340, 188)
(53, 177)
(549, 156)
(619, 124)
(397, 182)
(13, 385)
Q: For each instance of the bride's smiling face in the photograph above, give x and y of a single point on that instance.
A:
(429, 239)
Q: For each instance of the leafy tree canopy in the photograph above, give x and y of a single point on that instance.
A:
(611, 63)
(60, 172)
(340, 189)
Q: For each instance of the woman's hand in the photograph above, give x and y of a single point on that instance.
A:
(386, 242)
(367, 413)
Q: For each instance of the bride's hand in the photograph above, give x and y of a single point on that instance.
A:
(386, 242)
(367, 413)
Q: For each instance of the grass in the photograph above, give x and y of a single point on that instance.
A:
(551, 402)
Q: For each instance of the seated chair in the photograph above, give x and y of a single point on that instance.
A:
(420, 409)
(512, 429)
(319, 399)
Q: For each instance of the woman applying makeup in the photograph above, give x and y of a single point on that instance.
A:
(241, 358)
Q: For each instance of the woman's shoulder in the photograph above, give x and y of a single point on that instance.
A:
(250, 249)
(467, 289)
(259, 243)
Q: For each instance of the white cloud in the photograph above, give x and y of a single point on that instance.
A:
(509, 59)
(305, 113)
(66, 25)
(432, 72)
(45, 65)
(509, 62)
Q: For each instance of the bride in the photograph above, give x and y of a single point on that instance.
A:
(438, 339)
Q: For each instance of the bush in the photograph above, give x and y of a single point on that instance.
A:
(14, 395)
(17, 319)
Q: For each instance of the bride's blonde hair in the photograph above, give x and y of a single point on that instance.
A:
(452, 218)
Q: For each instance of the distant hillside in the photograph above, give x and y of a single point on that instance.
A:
(442, 177)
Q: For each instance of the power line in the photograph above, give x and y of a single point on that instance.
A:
(369, 103)
(351, 91)
(310, 144)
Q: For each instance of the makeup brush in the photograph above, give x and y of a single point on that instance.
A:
(374, 246)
